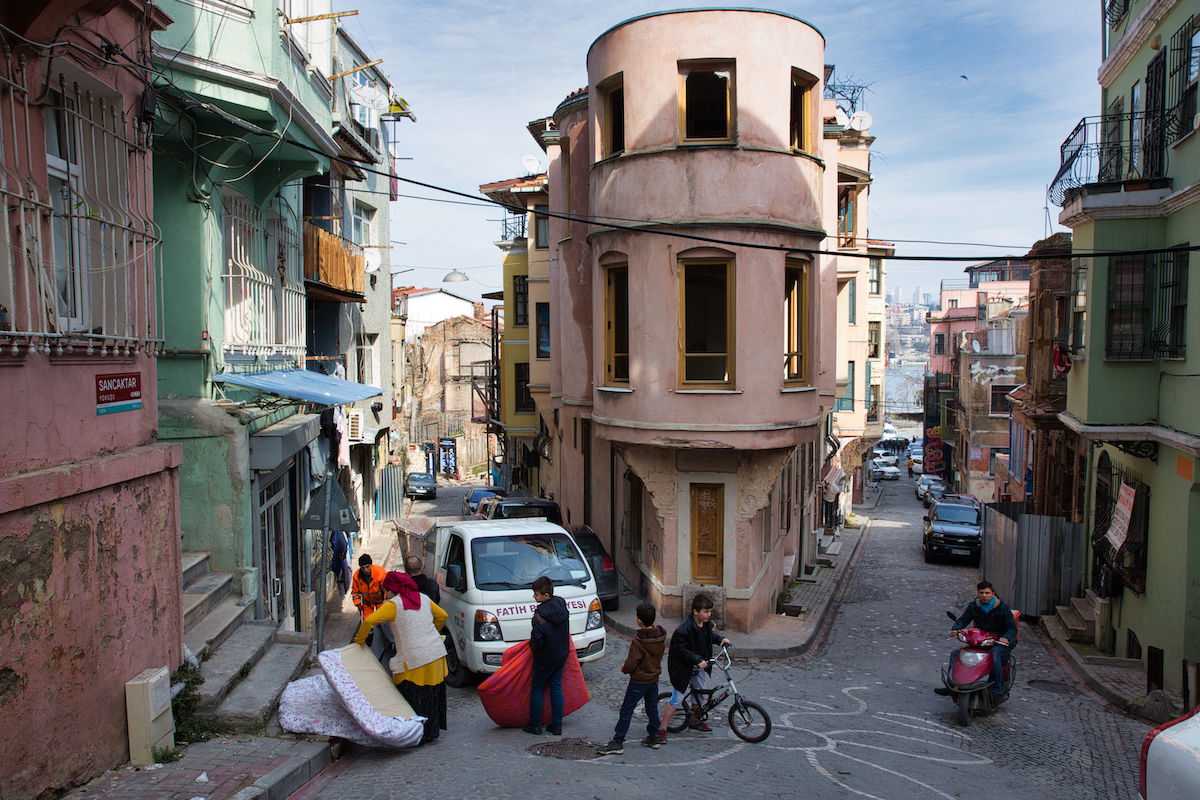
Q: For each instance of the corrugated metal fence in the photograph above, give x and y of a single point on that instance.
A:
(389, 497)
(1034, 562)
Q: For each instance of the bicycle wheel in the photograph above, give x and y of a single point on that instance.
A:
(749, 721)
(681, 717)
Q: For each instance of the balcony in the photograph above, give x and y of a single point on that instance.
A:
(512, 227)
(336, 266)
(1114, 151)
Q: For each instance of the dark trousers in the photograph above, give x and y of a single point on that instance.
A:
(546, 678)
(1000, 657)
(635, 693)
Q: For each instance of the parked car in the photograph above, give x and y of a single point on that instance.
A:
(519, 507)
(1170, 765)
(954, 528)
(608, 585)
(922, 484)
(918, 464)
(933, 491)
(881, 471)
(886, 456)
(420, 484)
(471, 498)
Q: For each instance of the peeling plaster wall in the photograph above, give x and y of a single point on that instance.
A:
(89, 597)
(215, 483)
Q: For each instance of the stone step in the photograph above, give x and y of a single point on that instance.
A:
(834, 548)
(1085, 609)
(232, 661)
(1077, 629)
(823, 542)
(203, 595)
(1053, 627)
(255, 698)
(207, 635)
(195, 564)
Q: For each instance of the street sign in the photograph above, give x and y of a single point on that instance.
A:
(332, 513)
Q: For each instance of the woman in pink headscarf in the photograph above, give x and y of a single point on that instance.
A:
(419, 666)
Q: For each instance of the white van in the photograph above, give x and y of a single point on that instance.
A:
(485, 570)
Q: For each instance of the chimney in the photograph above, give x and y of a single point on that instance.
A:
(480, 314)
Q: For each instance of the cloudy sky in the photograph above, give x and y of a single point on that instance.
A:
(956, 159)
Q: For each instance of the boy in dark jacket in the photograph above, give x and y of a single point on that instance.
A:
(691, 648)
(550, 641)
(643, 665)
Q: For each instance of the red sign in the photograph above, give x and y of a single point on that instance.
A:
(120, 392)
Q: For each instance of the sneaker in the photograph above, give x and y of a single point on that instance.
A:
(944, 691)
(536, 730)
(554, 729)
(701, 727)
(655, 740)
(613, 748)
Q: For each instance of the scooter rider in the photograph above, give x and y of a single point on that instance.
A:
(990, 614)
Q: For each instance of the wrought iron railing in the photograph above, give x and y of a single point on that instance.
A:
(1110, 149)
(512, 227)
(1114, 10)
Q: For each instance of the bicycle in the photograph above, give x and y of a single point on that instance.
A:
(749, 721)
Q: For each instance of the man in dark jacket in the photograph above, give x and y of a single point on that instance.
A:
(413, 566)
(691, 648)
(990, 614)
(550, 641)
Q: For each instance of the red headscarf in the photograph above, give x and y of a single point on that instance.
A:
(402, 585)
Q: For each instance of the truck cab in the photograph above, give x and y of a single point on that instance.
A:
(485, 570)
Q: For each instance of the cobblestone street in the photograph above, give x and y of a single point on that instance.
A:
(856, 717)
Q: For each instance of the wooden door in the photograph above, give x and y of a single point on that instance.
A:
(708, 532)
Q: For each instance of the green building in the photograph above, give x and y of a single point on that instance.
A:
(1129, 180)
(244, 115)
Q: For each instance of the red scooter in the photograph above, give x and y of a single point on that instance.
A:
(968, 679)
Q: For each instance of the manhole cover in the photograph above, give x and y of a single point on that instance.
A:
(570, 749)
(1053, 686)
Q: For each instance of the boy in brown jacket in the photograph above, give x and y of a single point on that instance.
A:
(643, 666)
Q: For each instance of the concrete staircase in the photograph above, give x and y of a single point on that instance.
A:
(245, 664)
(1078, 619)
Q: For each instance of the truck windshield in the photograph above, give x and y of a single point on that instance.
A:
(513, 562)
(964, 515)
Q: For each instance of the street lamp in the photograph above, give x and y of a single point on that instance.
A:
(455, 276)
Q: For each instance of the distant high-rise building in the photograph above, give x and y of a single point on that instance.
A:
(917, 296)
(926, 299)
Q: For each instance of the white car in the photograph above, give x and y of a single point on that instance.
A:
(1171, 760)
(884, 472)
(918, 464)
(885, 456)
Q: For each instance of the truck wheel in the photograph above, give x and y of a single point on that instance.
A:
(611, 604)
(457, 673)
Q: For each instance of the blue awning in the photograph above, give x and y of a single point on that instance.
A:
(301, 384)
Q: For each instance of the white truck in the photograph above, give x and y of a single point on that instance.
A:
(485, 570)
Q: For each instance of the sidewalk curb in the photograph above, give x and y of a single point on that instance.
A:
(818, 630)
(280, 782)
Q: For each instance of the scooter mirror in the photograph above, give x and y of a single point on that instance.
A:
(952, 615)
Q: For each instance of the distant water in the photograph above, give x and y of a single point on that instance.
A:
(902, 387)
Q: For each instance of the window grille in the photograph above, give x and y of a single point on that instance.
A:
(81, 265)
(1129, 292)
(1125, 567)
(262, 282)
(1170, 305)
(1183, 74)
(1079, 270)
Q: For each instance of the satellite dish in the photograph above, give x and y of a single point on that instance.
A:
(841, 117)
(860, 120)
(372, 259)
(532, 164)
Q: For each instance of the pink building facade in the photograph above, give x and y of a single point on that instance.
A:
(89, 529)
(689, 392)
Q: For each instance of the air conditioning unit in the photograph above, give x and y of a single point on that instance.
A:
(354, 425)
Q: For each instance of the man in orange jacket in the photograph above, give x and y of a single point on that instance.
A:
(366, 589)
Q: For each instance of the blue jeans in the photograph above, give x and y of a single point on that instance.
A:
(543, 678)
(635, 692)
(1000, 657)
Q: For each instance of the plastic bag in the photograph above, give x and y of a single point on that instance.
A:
(505, 694)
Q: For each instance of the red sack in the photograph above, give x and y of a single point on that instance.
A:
(505, 693)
